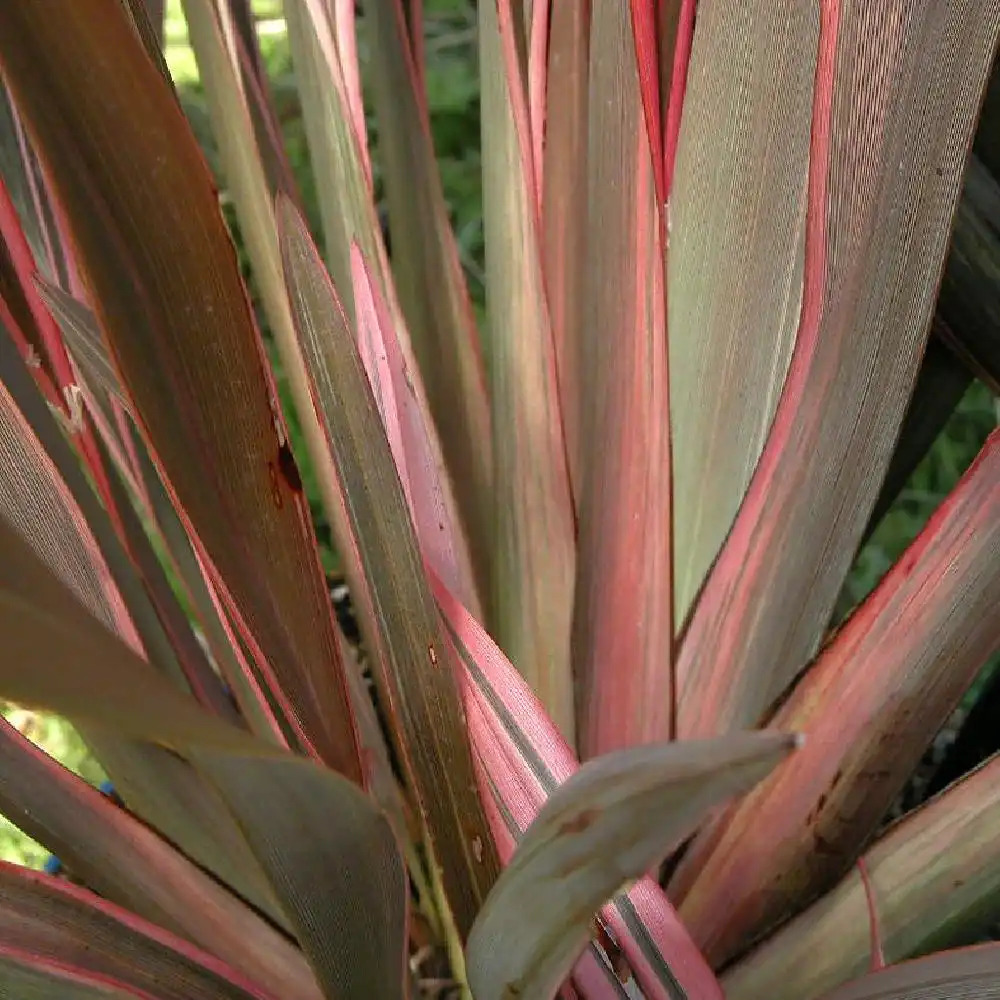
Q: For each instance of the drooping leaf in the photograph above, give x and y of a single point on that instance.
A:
(428, 276)
(935, 876)
(522, 760)
(534, 518)
(885, 172)
(58, 922)
(623, 622)
(298, 817)
(736, 215)
(127, 863)
(411, 663)
(891, 676)
(606, 826)
(969, 972)
(334, 864)
(118, 150)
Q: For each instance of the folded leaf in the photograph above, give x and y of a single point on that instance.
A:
(885, 171)
(609, 824)
(127, 863)
(298, 817)
(935, 878)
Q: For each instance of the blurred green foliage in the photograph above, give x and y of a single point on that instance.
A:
(453, 95)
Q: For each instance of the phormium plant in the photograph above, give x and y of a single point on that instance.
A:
(596, 612)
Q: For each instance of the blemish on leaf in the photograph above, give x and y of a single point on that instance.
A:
(433, 655)
(580, 822)
(289, 468)
(272, 472)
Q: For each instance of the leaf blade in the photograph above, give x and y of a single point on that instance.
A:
(893, 674)
(410, 661)
(584, 844)
(871, 249)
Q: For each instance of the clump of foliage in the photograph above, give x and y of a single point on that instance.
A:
(595, 547)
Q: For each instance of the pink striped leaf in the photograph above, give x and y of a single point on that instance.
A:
(885, 170)
(207, 405)
(399, 392)
(56, 921)
(584, 842)
(411, 663)
(24, 974)
(534, 531)
(622, 642)
(736, 215)
(523, 759)
(564, 210)
(892, 675)
(428, 275)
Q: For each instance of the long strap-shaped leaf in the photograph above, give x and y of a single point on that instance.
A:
(965, 972)
(330, 856)
(934, 879)
(145, 220)
(520, 756)
(412, 663)
(535, 548)
(606, 826)
(429, 278)
(737, 212)
(885, 171)
(893, 674)
(29, 977)
(129, 864)
(398, 390)
(527, 760)
(564, 219)
(335, 128)
(623, 621)
(57, 921)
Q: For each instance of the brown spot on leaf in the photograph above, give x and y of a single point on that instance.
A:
(289, 468)
(272, 472)
(580, 822)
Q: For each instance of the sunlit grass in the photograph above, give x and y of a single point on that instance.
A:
(60, 740)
